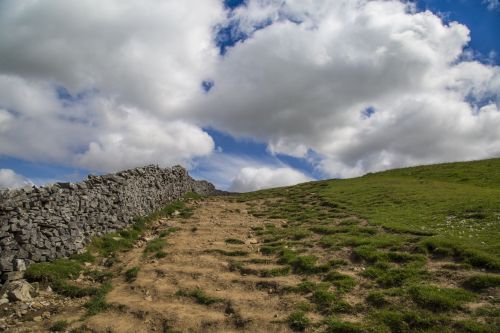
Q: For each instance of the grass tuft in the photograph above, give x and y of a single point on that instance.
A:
(59, 326)
(344, 283)
(131, 274)
(298, 321)
(199, 296)
(439, 299)
(481, 282)
(98, 303)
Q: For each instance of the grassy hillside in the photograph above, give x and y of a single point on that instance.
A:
(421, 236)
(454, 205)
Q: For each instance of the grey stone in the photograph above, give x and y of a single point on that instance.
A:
(19, 291)
(54, 221)
(19, 265)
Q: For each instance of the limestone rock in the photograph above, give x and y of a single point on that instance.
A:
(19, 291)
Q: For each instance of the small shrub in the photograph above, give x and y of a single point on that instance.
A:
(59, 326)
(439, 299)
(298, 321)
(131, 274)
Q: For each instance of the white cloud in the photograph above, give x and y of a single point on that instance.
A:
(304, 86)
(10, 179)
(299, 84)
(130, 67)
(252, 179)
(492, 4)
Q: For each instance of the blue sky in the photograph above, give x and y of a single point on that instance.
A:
(101, 113)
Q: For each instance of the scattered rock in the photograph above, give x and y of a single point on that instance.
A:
(252, 241)
(37, 318)
(19, 291)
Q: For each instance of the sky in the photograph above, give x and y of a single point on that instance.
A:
(246, 94)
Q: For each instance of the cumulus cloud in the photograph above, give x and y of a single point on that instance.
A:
(10, 179)
(363, 85)
(252, 179)
(104, 89)
(306, 81)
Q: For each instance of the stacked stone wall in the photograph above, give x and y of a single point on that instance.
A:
(43, 223)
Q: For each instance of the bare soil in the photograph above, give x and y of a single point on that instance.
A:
(245, 302)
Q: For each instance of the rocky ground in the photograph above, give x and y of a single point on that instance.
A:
(193, 288)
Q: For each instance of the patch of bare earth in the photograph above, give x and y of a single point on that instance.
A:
(241, 302)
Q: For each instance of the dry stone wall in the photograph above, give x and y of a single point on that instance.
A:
(44, 223)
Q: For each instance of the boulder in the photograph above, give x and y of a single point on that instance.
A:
(19, 291)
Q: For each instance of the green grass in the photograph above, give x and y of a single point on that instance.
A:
(481, 282)
(404, 320)
(53, 271)
(59, 326)
(342, 282)
(234, 241)
(439, 299)
(377, 299)
(388, 228)
(131, 274)
(160, 254)
(98, 303)
(390, 275)
(98, 276)
(69, 289)
(199, 296)
(334, 325)
(155, 245)
(298, 321)
(458, 203)
(281, 271)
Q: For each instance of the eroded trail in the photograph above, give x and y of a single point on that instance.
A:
(195, 287)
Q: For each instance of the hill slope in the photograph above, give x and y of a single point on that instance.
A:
(408, 250)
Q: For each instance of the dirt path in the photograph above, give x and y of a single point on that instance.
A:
(195, 261)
